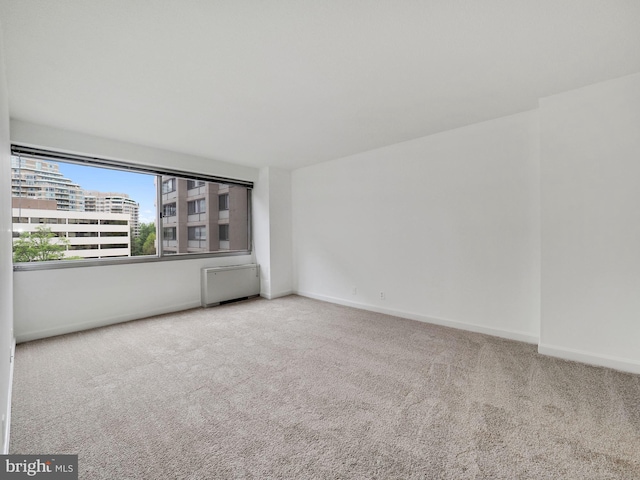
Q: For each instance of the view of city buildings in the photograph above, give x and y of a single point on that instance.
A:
(42, 180)
(200, 216)
(96, 224)
(196, 216)
(113, 203)
(89, 235)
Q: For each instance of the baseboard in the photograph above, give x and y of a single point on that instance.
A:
(616, 363)
(496, 332)
(7, 424)
(271, 296)
(103, 322)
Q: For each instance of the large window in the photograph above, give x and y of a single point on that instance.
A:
(59, 202)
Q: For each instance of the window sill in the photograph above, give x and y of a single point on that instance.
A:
(58, 264)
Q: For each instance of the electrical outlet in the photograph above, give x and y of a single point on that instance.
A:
(381, 295)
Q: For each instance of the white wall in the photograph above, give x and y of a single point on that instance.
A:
(41, 136)
(49, 302)
(6, 280)
(272, 226)
(590, 158)
(446, 226)
(281, 236)
(53, 302)
(261, 230)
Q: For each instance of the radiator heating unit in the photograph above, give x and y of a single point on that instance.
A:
(223, 284)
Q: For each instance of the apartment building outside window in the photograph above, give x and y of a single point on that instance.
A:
(202, 208)
(87, 235)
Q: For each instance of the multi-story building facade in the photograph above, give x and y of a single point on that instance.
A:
(38, 179)
(199, 217)
(89, 234)
(114, 203)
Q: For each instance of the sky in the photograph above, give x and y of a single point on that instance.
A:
(139, 186)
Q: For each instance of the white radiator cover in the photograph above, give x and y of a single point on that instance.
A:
(219, 284)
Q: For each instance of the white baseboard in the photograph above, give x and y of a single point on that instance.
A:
(496, 332)
(616, 363)
(271, 296)
(103, 322)
(7, 423)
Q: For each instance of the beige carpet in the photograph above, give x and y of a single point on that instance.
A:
(296, 388)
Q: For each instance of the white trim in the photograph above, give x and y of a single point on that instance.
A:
(7, 423)
(496, 332)
(77, 327)
(271, 296)
(617, 363)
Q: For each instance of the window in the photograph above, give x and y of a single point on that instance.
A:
(82, 221)
(196, 206)
(106, 246)
(139, 211)
(169, 233)
(197, 233)
(169, 210)
(169, 186)
(114, 222)
(82, 234)
(223, 202)
(223, 232)
(83, 247)
(49, 221)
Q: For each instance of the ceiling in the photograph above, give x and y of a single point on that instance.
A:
(289, 83)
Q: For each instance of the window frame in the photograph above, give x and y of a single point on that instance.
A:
(224, 196)
(173, 236)
(199, 204)
(198, 234)
(221, 227)
(173, 183)
(58, 156)
(172, 211)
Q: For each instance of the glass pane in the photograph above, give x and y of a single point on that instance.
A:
(202, 211)
(58, 206)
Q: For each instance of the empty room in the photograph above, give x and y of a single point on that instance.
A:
(338, 239)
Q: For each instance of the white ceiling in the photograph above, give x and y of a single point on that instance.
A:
(290, 83)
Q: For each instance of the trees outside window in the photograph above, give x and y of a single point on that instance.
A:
(39, 246)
